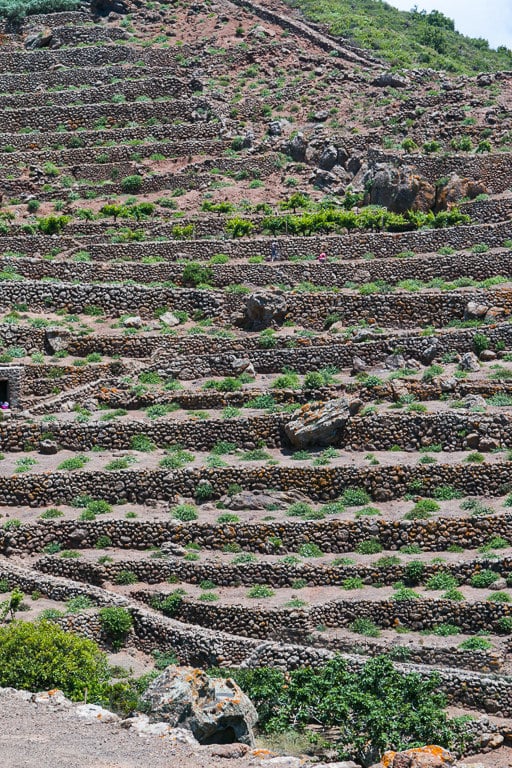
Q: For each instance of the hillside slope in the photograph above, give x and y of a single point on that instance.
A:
(405, 38)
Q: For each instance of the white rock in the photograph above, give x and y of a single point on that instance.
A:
(169, 319)
(56, 698)
(343, 764)
(282, 762)
(141, 725)
(24, 695)
(95, 712)
(132, 322)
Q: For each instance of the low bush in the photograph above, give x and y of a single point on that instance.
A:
(42, 656)
(116, 623)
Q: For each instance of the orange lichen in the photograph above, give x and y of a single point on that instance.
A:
(430, 749)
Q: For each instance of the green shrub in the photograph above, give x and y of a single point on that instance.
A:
(51, 514)
(52, 225)
(369, 547)
(126, 577)
(116, 623)
(446, 493)
(204, 491)
(195, 274)
(413, 572)
(354, 497)
(299, 509)
(453, 594)
(132, 184)
(352, 582)
(260, 590)
(42, 656)
(310, 550)
(79, 603)
(102, 542)
(185, 513)
(499, 597)
(142, 443)
(364, 627)
(377, 707)
(484, 579)
(476, 644)
(99, 507)
(446, 630)
(442, 580)
(170, 604)
(504, 625)
(403, 593)
(228, 517)
(480, 342)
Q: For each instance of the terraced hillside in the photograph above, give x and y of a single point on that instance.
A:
(255, 322)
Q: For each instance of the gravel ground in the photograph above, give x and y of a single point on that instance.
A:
(42, 736)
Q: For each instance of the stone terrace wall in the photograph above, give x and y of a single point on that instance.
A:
(295, 624)
(373, 432)
(335, 536)
(203, 647)
(398, 310)
(87, 114)
(332, 274)
(40, 140)
(273, 573)
(115, 300)
(351, 246)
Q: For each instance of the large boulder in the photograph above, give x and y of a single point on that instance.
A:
(320, 423)
(329, 158)
(38, 38)
(398, 189)
(456, 189)
(390, 80)
(215, 709)
(297, 147)
(56, 340)
(263, 500)
(264, 308)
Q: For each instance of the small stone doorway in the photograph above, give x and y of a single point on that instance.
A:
(4, 391)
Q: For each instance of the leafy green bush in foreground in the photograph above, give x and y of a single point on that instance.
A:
(375, 709)
(42, 656)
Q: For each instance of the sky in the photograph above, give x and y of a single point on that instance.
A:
(491, 19)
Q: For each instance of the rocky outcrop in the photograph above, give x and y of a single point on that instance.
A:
(215, 709)
(320, 423)
(262, 309)
(456, 189)
(398, 189)
(39, 38)
(56, 340)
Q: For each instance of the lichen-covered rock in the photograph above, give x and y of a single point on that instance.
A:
(469, 362)
(430, 756)
(215, 709)
(320, 423)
